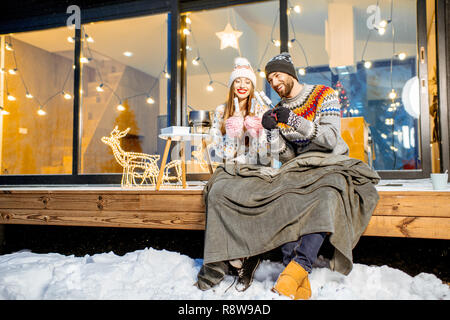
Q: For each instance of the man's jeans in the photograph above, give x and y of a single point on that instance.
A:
(303, 251)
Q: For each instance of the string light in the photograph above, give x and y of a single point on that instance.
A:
(186, 31)
(66, 95)
(84, 60)
(261, 73)
(8, 46)
(28, 95)
(209, 87)
(41, 111)
(392, 95)
(99, 88)
(71, 39)
(277, 43)
(302, 71)
(3, 111)
(128, 54)
(150, 100)
(195, 61)
(188, 20)
(166, 74)
(89, 39)
(367, 64)
(120, 107)
(12, 71)
(401, 56)
(11, 97)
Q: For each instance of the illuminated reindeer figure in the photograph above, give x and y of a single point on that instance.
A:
(141, 166)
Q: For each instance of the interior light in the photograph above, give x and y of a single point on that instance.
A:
(392, 94)
(41, 112)
(150, 100)
(120, 107)
(100, 88)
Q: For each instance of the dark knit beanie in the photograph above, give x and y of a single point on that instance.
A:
(281, 63)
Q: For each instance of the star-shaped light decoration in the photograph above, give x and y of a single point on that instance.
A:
(229, 37)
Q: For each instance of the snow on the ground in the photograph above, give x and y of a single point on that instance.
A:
(164, 275)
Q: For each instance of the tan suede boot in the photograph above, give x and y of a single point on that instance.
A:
(293, 282)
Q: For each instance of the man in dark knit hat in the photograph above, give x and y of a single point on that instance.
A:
(306, 119)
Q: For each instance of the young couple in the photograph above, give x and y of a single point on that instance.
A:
(318, 191)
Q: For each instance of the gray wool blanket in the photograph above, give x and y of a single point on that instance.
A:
(253, 209)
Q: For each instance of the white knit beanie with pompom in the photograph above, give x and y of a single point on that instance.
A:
(242, 68)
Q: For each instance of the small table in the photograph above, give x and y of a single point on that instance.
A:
(182, 138)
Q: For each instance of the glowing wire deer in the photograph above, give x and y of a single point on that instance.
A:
(139, 166)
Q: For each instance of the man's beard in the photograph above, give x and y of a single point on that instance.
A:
(288, 85)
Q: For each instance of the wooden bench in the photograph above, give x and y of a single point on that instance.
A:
(399, 213)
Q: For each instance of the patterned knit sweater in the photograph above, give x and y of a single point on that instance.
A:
(314, 124)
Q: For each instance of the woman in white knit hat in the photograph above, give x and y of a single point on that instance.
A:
(239, 117)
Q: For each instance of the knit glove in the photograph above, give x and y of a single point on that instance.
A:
(282, 114)
(268, 121)
(234, 127)
(253, 125)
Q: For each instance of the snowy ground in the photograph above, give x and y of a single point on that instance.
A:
(164, 275)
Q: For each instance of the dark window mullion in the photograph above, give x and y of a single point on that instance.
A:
(284, 28)
(77, 130)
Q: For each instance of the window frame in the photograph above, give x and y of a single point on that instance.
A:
(177, 69)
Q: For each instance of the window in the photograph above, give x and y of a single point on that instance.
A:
(124, 84)
(367, 53)
(210, 59)
(36, 96)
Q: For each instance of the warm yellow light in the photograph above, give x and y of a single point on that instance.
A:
(302, 71)
(66, 95)
(262, 74)
(402, 56)
(84, 60)
(100, 88)
(12, 71)
(209, 88)
(277, 43)
(4, 112)
(383, 24)
(41, 112)
(195, 61)
(120, 107)
(89, 39)
(9, 47)
(186, 31)
(128, 54)
(11, 97)
(70, 39)
(29, 95)
(297, 9)
(381, 31)
(368, 64)
(188, 20)
(166, 74)
(392, 94)
(150, 100)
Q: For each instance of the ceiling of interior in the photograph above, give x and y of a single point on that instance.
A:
(146, 37)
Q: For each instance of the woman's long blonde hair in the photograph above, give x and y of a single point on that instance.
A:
(229, 105)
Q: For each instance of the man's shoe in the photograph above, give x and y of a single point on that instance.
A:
(246, 273)
(293, 282)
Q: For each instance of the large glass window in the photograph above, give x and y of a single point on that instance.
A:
(36, 99)
(124, 84)
(368, 52)
(211, 55)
